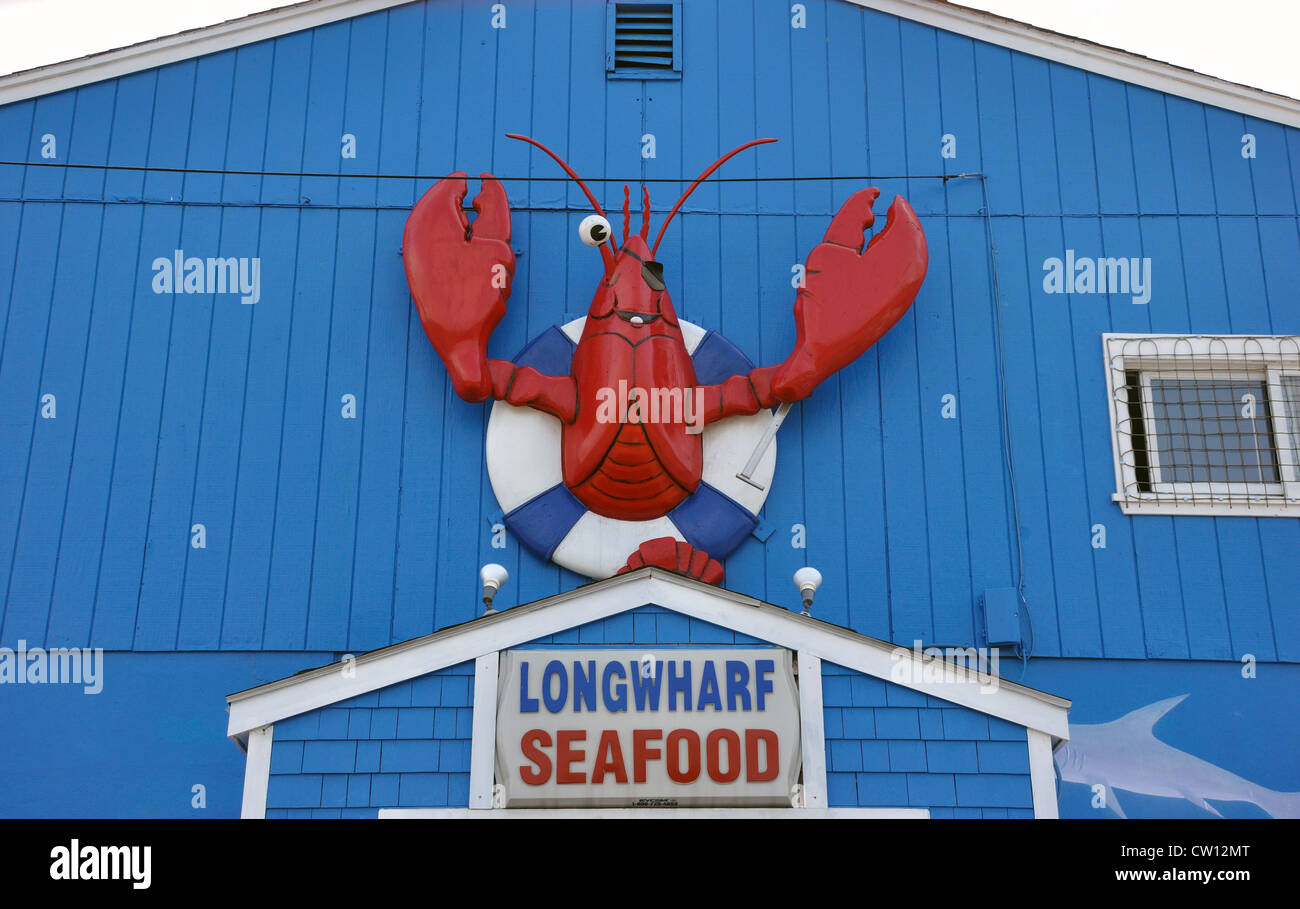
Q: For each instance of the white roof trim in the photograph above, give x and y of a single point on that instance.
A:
(1009, 33)
(315, 688)
(1094, 58)
(1042, 774)
(195, 42)
(257, 773)
(617, 814)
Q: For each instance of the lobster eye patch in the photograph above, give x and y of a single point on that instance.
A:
(653, 273)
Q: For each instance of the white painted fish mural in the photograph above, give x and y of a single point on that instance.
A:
(1125, 754)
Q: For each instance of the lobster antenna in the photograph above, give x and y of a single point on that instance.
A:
(627, 213)
(698, 180)
(567, 169)
(645, 212)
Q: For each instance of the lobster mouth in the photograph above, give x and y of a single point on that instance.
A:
(642, 309)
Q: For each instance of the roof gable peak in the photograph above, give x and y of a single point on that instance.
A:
(315, 688)
(976, 24)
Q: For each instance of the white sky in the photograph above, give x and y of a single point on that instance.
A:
(1248, 41)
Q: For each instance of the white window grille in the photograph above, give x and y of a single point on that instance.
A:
(1205, 424)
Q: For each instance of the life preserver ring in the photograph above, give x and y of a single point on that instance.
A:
(523, 462)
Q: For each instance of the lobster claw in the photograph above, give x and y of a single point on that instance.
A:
(460, 275)
(851, 298)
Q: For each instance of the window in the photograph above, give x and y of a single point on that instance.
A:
(1205, 424)
(644, 41)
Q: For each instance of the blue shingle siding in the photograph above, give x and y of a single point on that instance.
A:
(286, 756)
(907, 756)
(649, 625)
(327, 756)
(402, 756)
(977, 813)
(383, 723)
(413, 751)
(359, 723)
(415, 723)
(368, 756)
(953, 757)
(907, 750)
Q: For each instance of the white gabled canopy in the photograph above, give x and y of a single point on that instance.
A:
(310, 690)
(976, 24)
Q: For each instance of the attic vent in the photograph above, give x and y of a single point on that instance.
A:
(644, 40)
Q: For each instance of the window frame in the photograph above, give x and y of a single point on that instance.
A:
(1272, 359)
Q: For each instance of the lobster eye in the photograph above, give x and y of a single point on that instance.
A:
(594, 230)
(653, 274)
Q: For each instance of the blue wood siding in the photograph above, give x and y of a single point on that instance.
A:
(650, 625)
(149, 743)
(890, 747)
(333, 534)
(403, 746)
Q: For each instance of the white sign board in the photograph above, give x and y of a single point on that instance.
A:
(647, 728)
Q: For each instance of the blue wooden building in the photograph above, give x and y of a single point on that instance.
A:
(1079, 450)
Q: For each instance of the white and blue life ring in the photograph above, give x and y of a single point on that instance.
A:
(524, 465)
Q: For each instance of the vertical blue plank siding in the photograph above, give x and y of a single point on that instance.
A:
(340, 534)
(89, 482)
(256, 483)
(20, 378)
(156, 728)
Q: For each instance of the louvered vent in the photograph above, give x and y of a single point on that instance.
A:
(644, 39)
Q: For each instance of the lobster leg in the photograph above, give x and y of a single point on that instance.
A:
(524, 386)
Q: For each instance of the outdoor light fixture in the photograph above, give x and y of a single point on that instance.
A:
(807, 580)
(494, 577)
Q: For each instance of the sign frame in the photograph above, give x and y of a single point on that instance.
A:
(741, 747)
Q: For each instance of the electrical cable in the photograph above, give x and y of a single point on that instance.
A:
(1006, 431)
(153, 169)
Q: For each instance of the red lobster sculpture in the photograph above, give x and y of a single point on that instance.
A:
(460, 273)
